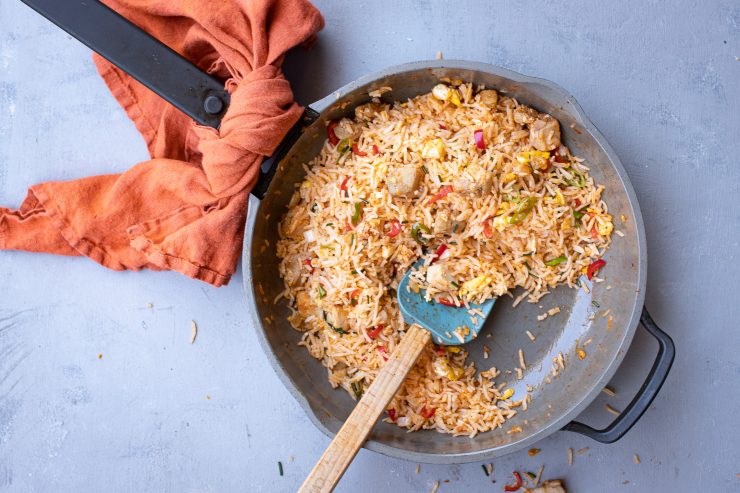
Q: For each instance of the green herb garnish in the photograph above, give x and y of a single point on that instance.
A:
(556, 261)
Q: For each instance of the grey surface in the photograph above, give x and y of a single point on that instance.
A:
(659, 80)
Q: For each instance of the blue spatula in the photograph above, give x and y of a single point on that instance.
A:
(447, 325)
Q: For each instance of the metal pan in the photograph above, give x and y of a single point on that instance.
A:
(554, 405)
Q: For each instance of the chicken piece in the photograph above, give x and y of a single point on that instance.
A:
(336, 316)
(443, 222)
(293, 269)
(474, 181)
(295, 224)
(488, 97)
(304, 304)
(403, 180)
(443, 92)
(544, 133)
(366, 112)
(437, 276)
(549, 486)
(525, 115)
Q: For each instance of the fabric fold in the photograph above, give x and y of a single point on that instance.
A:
(184, 209)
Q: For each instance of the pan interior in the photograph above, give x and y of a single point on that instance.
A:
(580, 321)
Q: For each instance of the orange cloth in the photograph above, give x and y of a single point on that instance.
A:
(185, 208)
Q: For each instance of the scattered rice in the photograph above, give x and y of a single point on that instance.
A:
(570, 456)
(522, 363)
(193, 331)
(439, 55)
(606, 313)
(531, 337)
(636, 458)
(361, 258)
(539, 475)
(435, 487)
(418, 468)
(611, 410)
(608, 392)
(582, 451)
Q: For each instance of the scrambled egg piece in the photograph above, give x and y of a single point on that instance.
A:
(475, 285)
(434, 149)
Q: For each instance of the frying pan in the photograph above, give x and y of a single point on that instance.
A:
(600, 317)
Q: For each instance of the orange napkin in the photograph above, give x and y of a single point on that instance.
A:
(184, 209)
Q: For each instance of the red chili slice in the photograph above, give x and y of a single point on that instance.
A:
(391, 414)
(343, 186)
(375, 150)
(347, 225)
(516, 485)
(440, 250)
(594, 268)
(354, 296)
(577, 203)
(427, 413)
(382, 350)
(447, 302)
(442, 126)
(443, 192)
(480, 141)
(356, 151)
(395, 228)
(310, 267)
(330, 133)
(374, 333)
(594, 233)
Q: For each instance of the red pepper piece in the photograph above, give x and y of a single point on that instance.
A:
(330, 133)
(310, 267)
(480, 141)
(446, 302)
(594, 268)
(391, 414)
(577, 202)
(347, 225)
(427, 413)
(382, 350)
(356, 151)
(516, 485)
(594, 233)
(487, 231)
(375, 150)
(443, 192)
(442, 126)
(395, 228)
(440, 250)
(374, 333)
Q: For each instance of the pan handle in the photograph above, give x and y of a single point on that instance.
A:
(269, 165)
(137, 53)
(646, 394)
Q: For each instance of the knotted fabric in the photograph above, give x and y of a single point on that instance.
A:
(184, 209)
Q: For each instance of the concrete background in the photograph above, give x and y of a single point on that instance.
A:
(660, 79)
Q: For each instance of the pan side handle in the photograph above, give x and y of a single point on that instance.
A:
(270, 165)
(646, 394)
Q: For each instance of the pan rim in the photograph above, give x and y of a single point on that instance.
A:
(629, 327)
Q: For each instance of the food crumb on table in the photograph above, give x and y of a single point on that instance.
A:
(636, 458)
(570, 456)
(435, 487)
(193, 331)
(100, 355)
(582, 451)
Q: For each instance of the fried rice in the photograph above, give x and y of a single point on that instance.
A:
(477, 185)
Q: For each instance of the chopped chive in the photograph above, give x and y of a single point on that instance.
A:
(440, 177)
(322, 291)
(354, 272)
(329, 224)
(556, 261)
(596, 303)
(280, 467)
(424, 169)
(358, 389)
(527, 254)
(485, 470)
(351, 239)
(313, 207)
(455, 284)
(454, 228)
(364, 200)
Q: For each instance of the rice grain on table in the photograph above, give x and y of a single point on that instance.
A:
(345, 241)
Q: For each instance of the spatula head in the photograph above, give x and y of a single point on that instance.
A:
(446, 323)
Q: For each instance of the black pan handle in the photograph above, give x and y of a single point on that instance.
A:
(270, 164)
(646, 394)
(134, 51)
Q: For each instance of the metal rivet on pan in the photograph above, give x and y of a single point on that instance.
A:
(213, 105)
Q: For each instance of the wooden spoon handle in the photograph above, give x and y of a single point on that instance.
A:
(330, 468)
